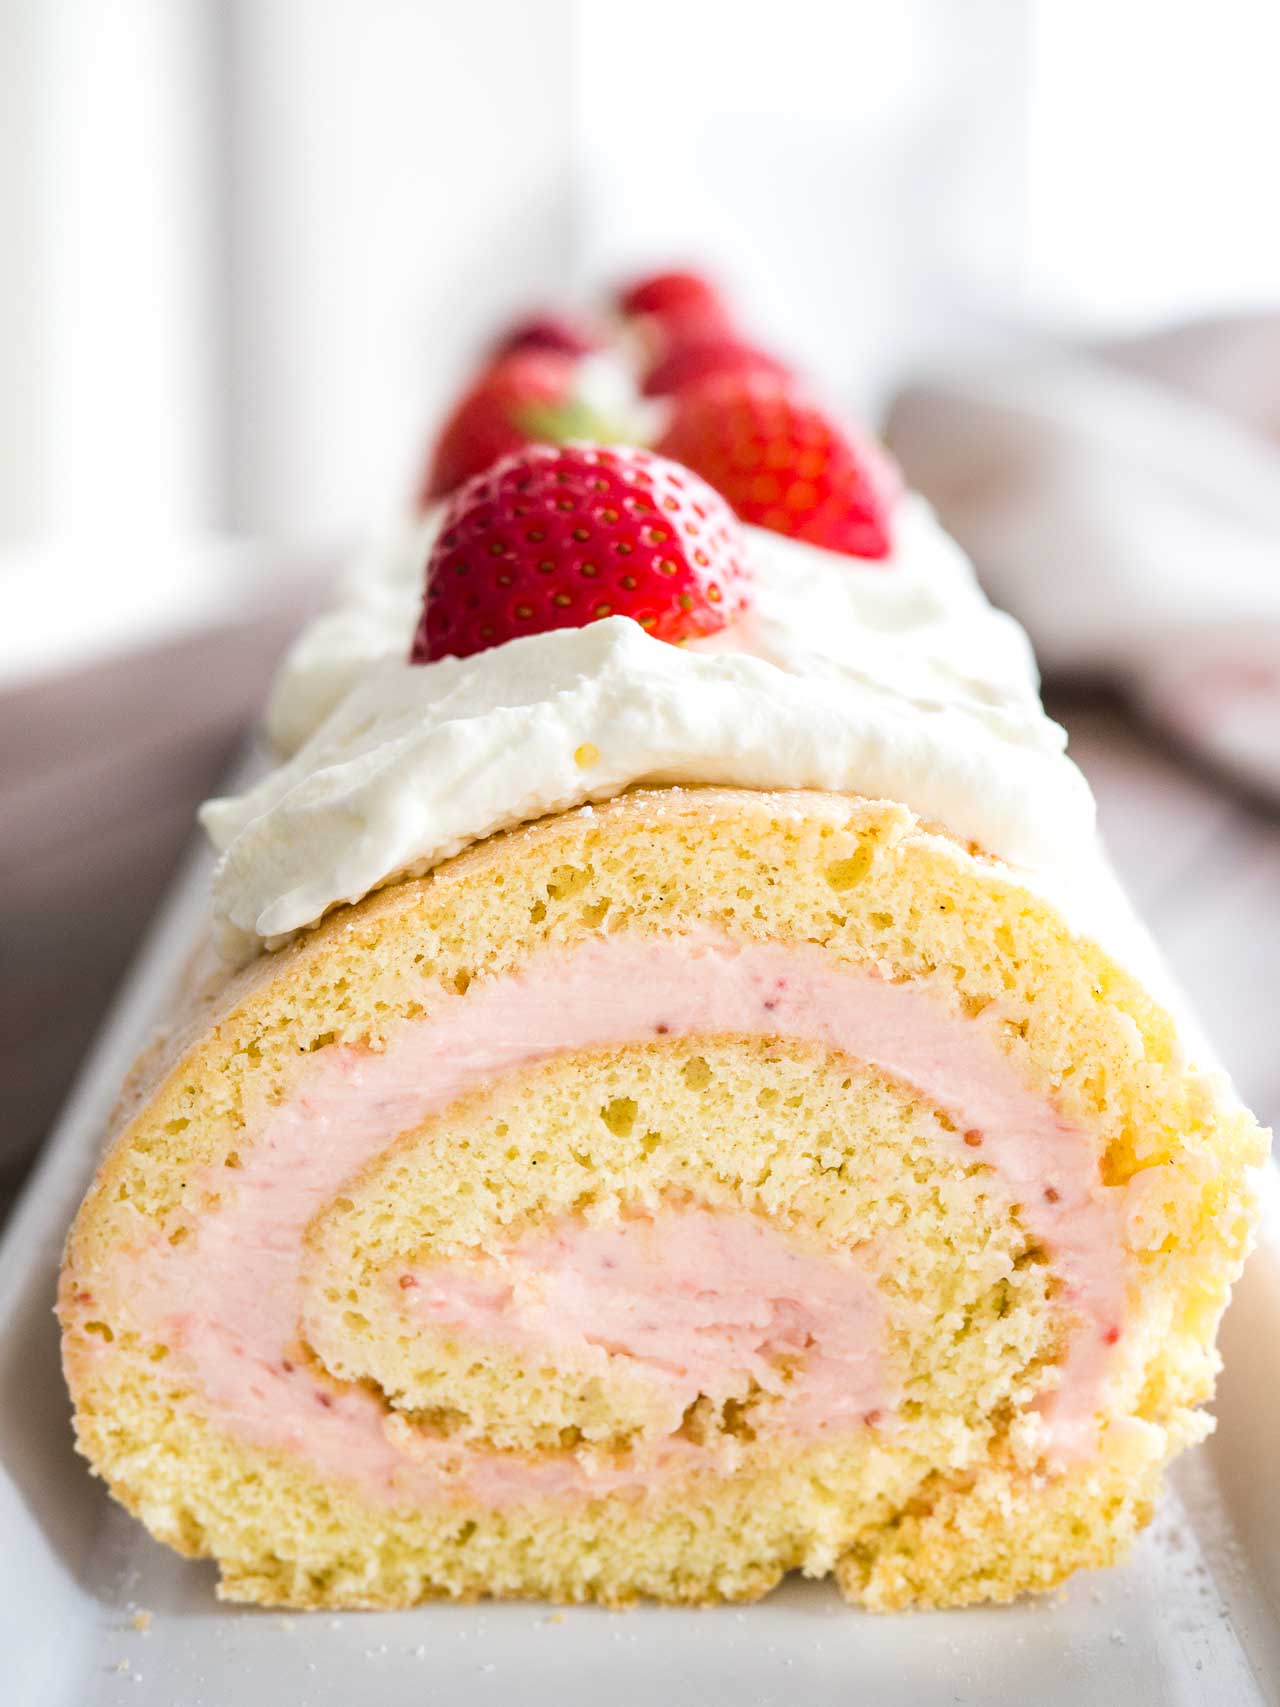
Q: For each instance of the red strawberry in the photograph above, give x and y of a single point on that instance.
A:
(559, 537)
(546, 332)
(674, 296)
(503, 410)
(784, 463)
(688, 360)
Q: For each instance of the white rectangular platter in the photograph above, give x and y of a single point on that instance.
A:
(94, 1614)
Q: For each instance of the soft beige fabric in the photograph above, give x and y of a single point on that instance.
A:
(1124, 502)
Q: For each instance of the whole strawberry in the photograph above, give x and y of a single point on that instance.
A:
(784, 463)
(674, 296)
(555, 332)
(689, 360)
(558, 537)
(507, 407)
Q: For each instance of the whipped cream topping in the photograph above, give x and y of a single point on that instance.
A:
(895, 680)
(379, 599)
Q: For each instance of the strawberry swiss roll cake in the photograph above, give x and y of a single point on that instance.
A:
(692, 1105)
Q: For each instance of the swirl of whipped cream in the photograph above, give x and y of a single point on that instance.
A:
(379, 599)
(896, 680)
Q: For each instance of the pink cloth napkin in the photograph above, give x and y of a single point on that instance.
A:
(1124, 503)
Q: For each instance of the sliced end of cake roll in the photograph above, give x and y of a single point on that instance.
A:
(655, 1200)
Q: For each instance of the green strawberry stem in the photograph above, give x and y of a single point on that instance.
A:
(559, 423)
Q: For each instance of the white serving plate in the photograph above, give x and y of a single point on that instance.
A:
(1193, 1620)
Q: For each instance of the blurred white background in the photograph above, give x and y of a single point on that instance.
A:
(250, 245)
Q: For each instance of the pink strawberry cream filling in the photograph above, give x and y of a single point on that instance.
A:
(691, 1300)
(701, 1301)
